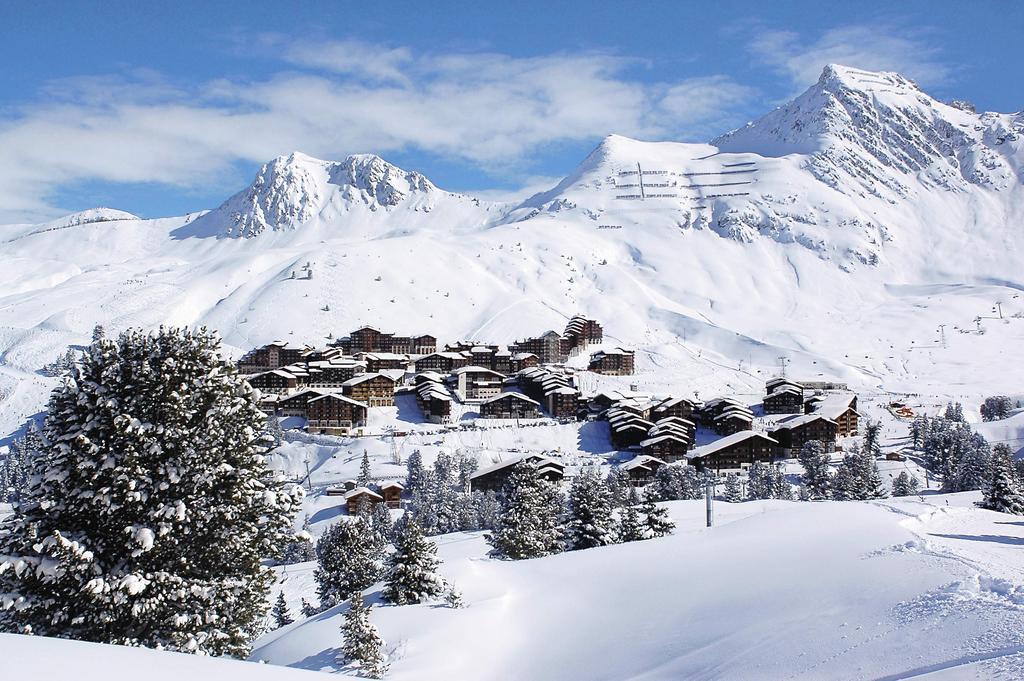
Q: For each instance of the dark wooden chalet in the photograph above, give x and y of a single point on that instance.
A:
(783, 396)
(674, 406)
(274, 381)
(443, 362)
(475, 384)
(547, 347)
(494, 477)
(668, 447)
(791, 433)
(613, 362)
(509, 406)
(361, 494)
(374, 390)
(839, 407)
(392, 493)
(641, 468)
(334, 414)
(734, 453)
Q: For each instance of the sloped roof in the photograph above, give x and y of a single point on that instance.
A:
(518, 396)
(728, 441)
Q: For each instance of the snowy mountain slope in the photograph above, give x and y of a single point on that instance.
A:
(734, 257)
(777, 590)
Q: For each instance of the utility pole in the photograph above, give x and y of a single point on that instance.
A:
(942, 335)
(783, 362)
(999, 309)
(640, 175)
(709, 493)
(309, 479)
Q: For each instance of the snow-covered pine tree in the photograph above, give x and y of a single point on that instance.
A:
(781, 489)
(151, 506)
(301, 548)
(655, 520)
(528, 526)
(362, 649)
(364, 471)
(412, 569)
(382, 523)
(98, 333)
(760, 482)
(619, 484)
(858, 478)
(955, 412)
(453, 597)
(872, 438)
(1002, 492)
(466, 466)
(676, 481)
(996, 408)
(631, 526)
(590, 520)
(487, 509)
(732, 492)
(973, 468)
(15, 467)
(905, 485)
(308, 609)
(274, 431)
(350, 556)
(280, 611)
(415, 472)
(817, 479)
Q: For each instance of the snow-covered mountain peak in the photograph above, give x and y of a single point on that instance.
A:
(296, 188)
(89, 216)
(871, 132)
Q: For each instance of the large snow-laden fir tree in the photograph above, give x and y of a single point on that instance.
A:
(151, 505)
(529, 524)
(1002, 493)
(591, 521)
(817, 478)
(412, 569)
(350, 558)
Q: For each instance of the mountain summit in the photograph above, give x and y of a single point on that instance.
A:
(296, 189)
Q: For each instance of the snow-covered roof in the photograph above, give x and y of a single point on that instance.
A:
(673, 401)
(728, 441)
(674, 437)
(385, 356)
(362, 490)
(799, 420)
(392, 483)
(542, 462)
(475, 370)
(786, 388)
(336, 396)
(833, 405)
(640, 461)
(362, 378)
(518, 396)
(679, 420)
(746, 415)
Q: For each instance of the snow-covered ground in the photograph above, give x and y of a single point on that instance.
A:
(776, 590)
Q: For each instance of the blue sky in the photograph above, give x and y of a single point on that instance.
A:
(163, 109)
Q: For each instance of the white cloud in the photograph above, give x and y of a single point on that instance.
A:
(487, 110)
(875, 48)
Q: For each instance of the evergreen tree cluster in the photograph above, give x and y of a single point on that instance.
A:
(62, 366)
(535, 521)
(817, 478)
(905, 485)
(996, 408)
(150, 506)
(350, 558)
(438, 496)
(1003, 489)
(767, 481)
(857, 478)
(953, 451)
(15, 466)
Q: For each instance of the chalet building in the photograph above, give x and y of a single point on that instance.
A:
(581, 332)
(674, 424)
(714, 407)
(493, 478)
(334, 414)
(392, 493)
(791, 433)
(839, 407)
(331, 373)
(476, 384)
(444, 362)
(297, 403)
(668, 447)
(370, 339)
(641, 468)
(375, 390)
(733, 420)
(522, 360)
(547, 347)
(361, 494)
(510, 406)
(270, 356)
(674, 406)
(734, 453)
(484, 356)
(433, 398)
(627, 429)
(783, 396)
(268, 403)
(562, 402)
(276, 381)
(613, 362)
(381, 361)
(553, 388)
